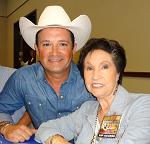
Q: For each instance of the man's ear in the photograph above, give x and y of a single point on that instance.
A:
(36, 48)
(75, 48)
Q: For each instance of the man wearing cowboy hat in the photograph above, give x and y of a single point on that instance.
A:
(52, 87)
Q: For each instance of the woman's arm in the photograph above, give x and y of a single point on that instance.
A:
(138, 123)
(68, 126)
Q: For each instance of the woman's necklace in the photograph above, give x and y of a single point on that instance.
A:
(97, 126)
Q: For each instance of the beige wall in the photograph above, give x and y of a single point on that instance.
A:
(137, 84)
(126, 21)
(2, 30)
(2, 7)
(3, 53)
(12, 5)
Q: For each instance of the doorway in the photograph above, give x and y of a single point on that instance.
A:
(22, 52)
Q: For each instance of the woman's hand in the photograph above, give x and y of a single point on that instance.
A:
(56, 139)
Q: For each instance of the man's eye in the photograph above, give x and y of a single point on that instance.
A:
(45, 44)
(63, 44)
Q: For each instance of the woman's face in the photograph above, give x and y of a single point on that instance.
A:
(100, 74)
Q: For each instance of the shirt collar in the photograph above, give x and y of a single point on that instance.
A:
(118, 105)
(41, 76)
(120, 101)
(72, 73)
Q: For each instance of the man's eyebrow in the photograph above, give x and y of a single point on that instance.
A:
(44, 41)
(64, 41)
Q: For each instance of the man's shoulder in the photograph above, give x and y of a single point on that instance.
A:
(75, 71)
(74, 67)
(34, 68)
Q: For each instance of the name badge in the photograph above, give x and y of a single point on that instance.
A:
(109, 126)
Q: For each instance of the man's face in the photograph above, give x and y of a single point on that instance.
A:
(55, 49)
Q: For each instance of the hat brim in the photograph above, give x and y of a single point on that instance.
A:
(80, 27)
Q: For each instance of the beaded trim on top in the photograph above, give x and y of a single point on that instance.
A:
(97, 125)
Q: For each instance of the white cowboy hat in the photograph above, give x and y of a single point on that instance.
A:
(55, 16)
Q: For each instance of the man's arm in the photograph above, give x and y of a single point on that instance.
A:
(25, 120)
(5, 117)
(18, 132)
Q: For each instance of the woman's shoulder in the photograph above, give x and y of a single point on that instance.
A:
(140, 97)
(131, 97)
(139, 104)
(90, 102)
(89, 105)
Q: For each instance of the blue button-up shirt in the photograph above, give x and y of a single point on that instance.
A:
(28, 87)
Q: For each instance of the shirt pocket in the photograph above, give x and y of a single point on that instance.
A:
(36, 108)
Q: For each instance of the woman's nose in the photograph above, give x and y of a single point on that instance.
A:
(96, 74)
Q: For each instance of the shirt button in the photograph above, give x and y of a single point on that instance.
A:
(40, 104)
(29, 103)
(77, 107)
(59, 113)
(61, 97)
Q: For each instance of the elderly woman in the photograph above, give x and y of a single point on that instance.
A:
(117, 117)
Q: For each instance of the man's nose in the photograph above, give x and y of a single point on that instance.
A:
(54, 49)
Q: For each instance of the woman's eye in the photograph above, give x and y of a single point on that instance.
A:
(89, 68)
(105, 67)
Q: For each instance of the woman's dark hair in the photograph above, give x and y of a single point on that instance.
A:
(71, 36)
(110, 46)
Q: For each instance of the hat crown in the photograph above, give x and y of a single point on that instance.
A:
(53, 15)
